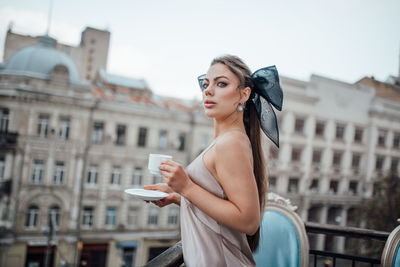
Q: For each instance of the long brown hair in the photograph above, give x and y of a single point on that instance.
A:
(252, 125)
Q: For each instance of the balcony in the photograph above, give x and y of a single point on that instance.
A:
(174, 257)
(5, 188)
(8, 140)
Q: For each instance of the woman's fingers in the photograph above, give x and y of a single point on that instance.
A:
(168, 162)
(150, 187)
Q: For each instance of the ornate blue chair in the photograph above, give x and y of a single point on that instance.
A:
(283, 238)
(391, 251)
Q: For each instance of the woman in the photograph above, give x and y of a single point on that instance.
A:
(222, 192)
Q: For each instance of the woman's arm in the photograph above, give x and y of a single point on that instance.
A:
(234, 168)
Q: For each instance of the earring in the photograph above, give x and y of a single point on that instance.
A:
(240, 107)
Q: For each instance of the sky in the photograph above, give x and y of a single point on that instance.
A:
(171, 42)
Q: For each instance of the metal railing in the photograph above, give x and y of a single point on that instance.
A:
(353, 232)
(173, 256)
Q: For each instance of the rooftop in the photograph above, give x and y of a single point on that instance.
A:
(382, 89)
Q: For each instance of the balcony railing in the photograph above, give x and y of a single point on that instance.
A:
(173, 256)
(317, 256)
(8, 140)
(5, 187)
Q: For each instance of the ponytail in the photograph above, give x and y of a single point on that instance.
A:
(253, 131)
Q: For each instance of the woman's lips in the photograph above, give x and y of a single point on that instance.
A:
(209, 104)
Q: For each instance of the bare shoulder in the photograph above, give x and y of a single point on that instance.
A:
(232, 143)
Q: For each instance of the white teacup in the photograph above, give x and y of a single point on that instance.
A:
(155, 161)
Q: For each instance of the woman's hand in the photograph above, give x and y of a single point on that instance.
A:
(173, 198)
(175, 176)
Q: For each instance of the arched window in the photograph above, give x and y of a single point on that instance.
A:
(54, 215)
(32, 216)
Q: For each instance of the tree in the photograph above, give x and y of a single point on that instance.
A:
(381, 212)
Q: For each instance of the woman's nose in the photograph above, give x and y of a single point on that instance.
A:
(208, 90)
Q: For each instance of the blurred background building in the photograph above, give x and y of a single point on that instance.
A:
(73, 137)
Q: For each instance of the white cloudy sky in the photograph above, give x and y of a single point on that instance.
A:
(170, 42)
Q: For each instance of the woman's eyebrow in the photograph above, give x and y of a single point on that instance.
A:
(222, 76)
(216, 78)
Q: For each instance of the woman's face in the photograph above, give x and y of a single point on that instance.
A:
(221, 96)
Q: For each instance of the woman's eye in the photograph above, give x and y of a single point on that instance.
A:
(204, 86)
(221, 84)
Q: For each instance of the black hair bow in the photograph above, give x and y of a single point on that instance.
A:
(266, 92)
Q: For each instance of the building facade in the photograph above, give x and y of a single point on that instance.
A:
(74, 137)
(72, 148)
(337, 140)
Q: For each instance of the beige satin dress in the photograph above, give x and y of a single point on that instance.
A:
(205, 242)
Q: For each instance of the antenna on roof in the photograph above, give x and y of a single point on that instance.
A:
(49, 17)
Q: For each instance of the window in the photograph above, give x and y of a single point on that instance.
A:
(37, 171)
(293, 186)
(92, 175)
(59, 170)
(353, 187)
(97, 135)
(182, 141)
(355, 161)
(353, 218)
(137, 176)
(111, 216)
(142, 137)
(316, 156)
(2, 168)
(358, 134)
(334, 215)
(299, 125)
(394, 165)
(64, 128)
(54, 216)
(339, 131)
(43, 125)
(296, 154)
(87, 216)
(314, 185)
(272, 182)
(32, 216)
(128, 256)
(173, 216)
(379, 162)
(116, 176)
(382, 137)
(396, 140)
(162, 140)
(153, 216)
(4, 120)
(133, 215)
(319, 129)
(337, 158)
(313, 214)
(333, 186)
(120, 135)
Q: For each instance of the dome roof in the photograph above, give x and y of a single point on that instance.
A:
(40, 61)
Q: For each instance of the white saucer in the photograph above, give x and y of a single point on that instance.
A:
(147, 195)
